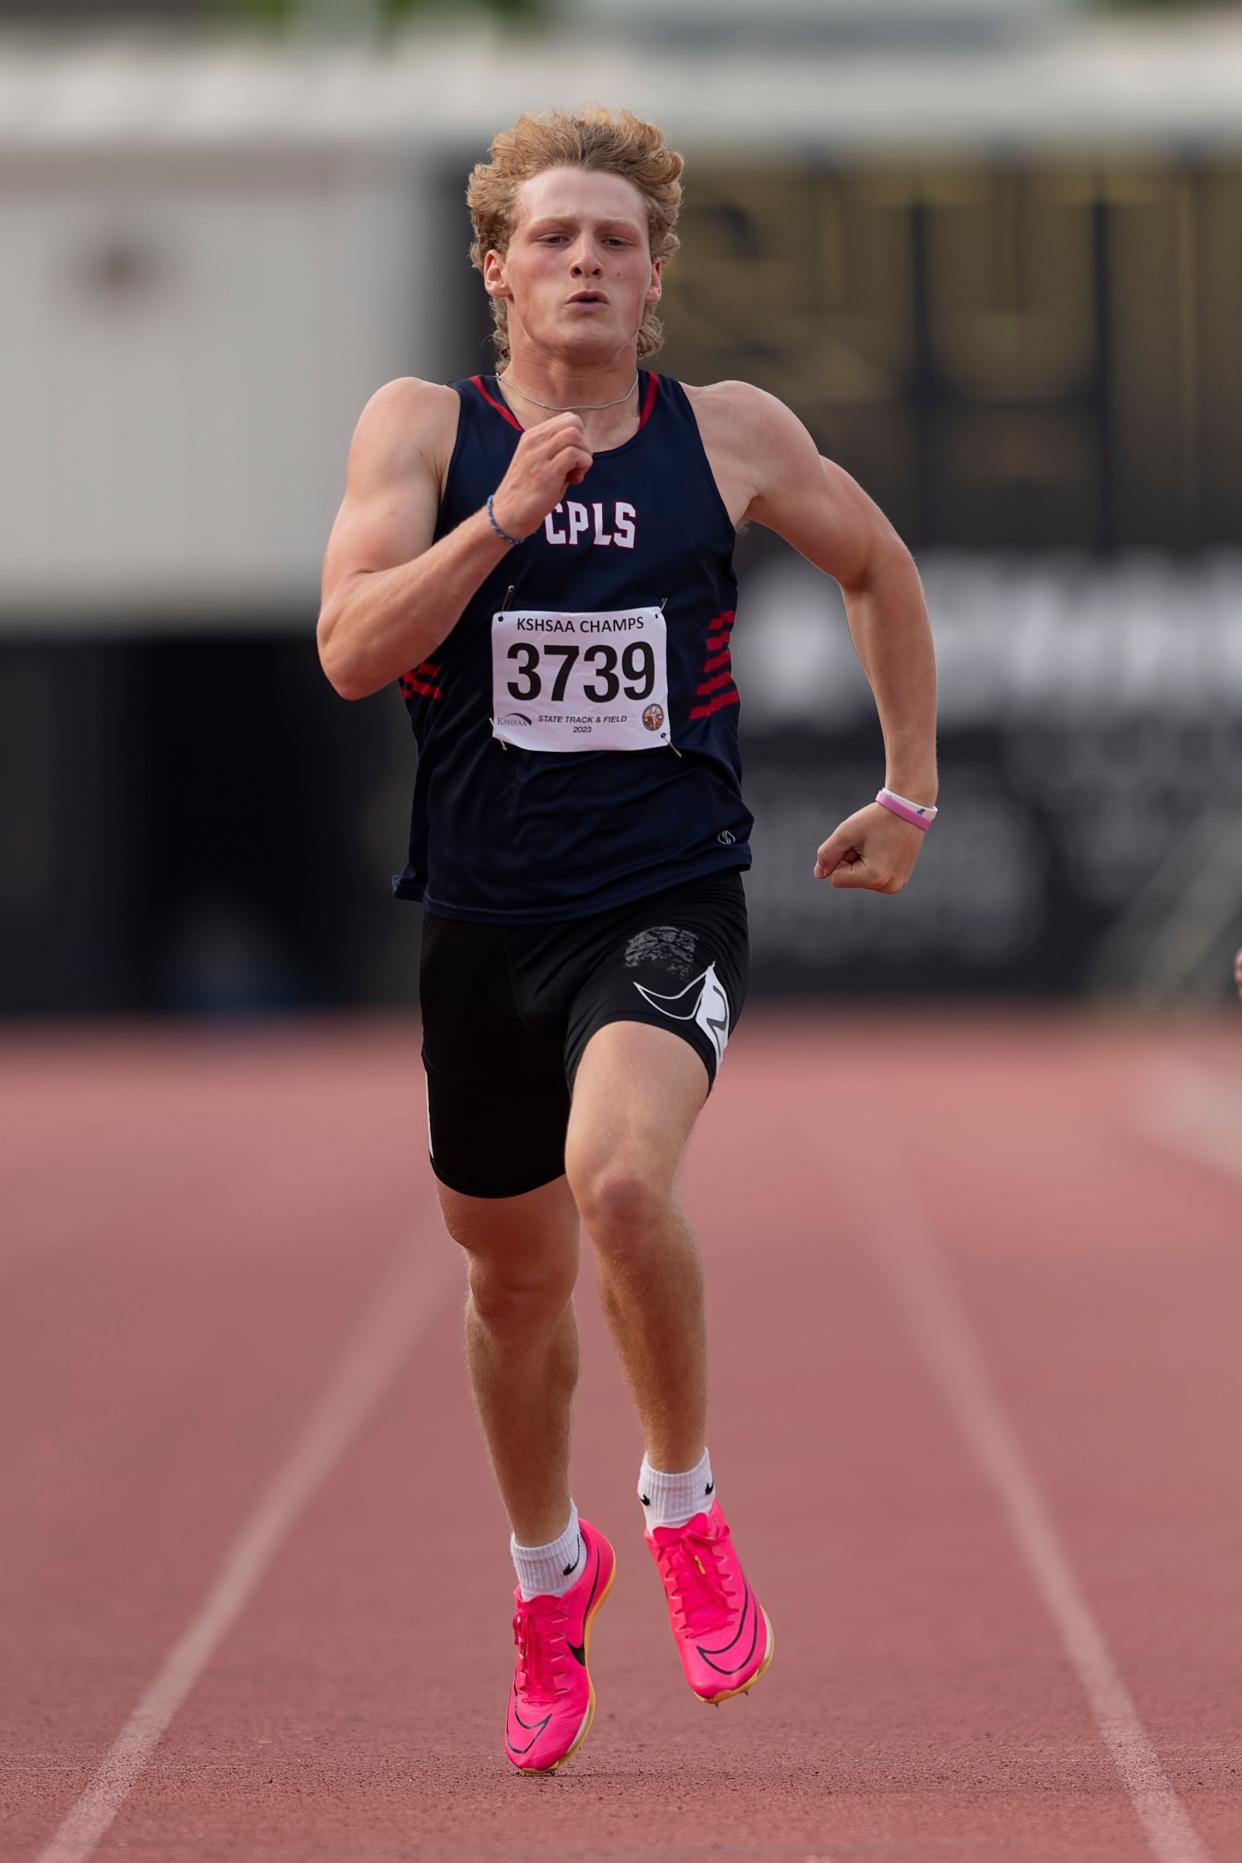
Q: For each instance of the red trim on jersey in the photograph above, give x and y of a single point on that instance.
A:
(653, 383)
(499, 406)
(715, 705)
(718, 656)
(411, 684)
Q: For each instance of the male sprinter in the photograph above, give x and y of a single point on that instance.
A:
(543, 557)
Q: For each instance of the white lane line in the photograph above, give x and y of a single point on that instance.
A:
(1196, 1113)
(403, 1307)
(902, 1244)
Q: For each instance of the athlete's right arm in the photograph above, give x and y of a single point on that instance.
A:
(389, 594)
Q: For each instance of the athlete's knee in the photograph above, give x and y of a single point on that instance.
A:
(623, 1204)
(508, 1297)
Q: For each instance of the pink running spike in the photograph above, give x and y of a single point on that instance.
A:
(552, 1701)
(721, 1630)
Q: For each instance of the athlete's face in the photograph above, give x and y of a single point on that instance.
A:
(578, 273)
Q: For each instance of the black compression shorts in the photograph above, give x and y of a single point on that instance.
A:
(508, 1010)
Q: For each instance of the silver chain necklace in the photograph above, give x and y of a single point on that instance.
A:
(579, 407)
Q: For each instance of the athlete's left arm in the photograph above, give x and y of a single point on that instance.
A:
(830, 520)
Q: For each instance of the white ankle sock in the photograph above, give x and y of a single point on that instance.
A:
(549, 1571)
(671, 1500)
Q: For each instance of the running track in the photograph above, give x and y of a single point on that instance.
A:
(976, 1288)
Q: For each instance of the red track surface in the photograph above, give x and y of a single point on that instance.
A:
(192, 1225)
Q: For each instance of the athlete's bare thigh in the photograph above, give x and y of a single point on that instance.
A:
(638, 1091)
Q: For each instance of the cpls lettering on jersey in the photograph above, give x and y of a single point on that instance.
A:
(570, 522)
(589, 681)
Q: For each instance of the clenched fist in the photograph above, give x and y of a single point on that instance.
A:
(549, 459)
(872, 848)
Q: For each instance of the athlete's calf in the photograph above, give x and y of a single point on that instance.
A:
(522, 1343)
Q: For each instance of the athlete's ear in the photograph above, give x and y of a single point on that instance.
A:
(656, 288)
(494, 275)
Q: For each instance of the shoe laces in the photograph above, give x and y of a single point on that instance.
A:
(702, 1592)
(540, 1639)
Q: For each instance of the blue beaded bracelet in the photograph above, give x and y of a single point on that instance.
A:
(491, 518)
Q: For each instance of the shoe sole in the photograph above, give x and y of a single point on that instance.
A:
(714, 1701)
(543, 1772)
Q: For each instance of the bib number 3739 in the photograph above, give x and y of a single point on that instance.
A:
(580, 681)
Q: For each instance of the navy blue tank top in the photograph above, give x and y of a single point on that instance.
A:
(504, 833)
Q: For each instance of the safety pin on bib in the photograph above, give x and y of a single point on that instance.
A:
(671, 744)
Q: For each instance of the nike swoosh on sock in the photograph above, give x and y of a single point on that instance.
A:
(578, 1558)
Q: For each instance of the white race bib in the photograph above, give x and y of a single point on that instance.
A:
(580, 681)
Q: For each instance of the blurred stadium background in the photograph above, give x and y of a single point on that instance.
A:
(989, 249)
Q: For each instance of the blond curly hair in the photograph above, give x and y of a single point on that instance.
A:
(613, 141)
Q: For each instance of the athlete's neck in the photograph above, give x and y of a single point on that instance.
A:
(605, 396)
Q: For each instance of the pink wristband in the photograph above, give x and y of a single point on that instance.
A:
(920, 814)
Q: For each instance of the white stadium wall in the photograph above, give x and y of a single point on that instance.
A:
(188, 342)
